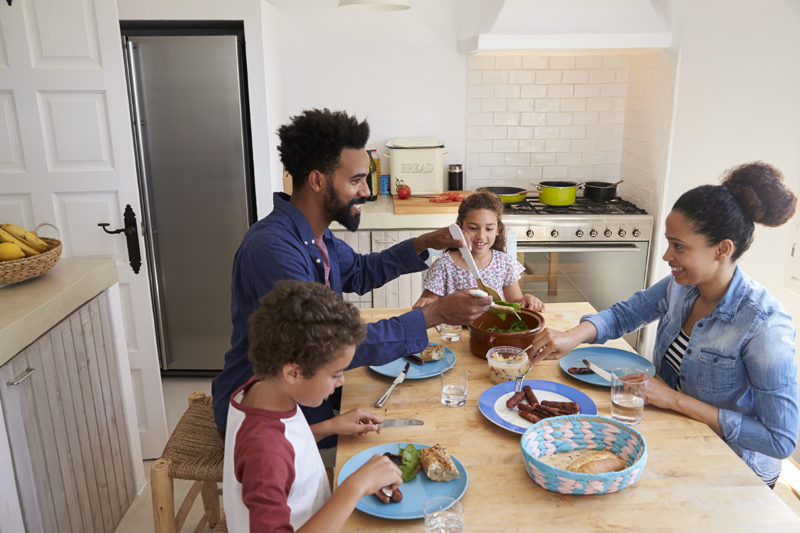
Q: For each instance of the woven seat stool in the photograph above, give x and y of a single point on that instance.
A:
(194, 452)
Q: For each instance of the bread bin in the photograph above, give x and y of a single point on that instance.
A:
(481, 340)
(417, 161)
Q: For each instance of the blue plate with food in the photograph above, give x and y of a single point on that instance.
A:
(606, 358)
(492, 402)
(417, 491)
(437, 359)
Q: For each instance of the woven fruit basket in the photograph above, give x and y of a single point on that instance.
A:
(18, 270)
(578, 432)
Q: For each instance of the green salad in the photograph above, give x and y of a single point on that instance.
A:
(410, 462)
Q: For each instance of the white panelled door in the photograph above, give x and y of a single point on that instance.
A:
(66, 157)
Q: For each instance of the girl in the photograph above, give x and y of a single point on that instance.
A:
(724, 350)
(479, 217)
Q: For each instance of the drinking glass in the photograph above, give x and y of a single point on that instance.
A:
(443, 514)
(628, 394)
(454, 387)
(449, 332)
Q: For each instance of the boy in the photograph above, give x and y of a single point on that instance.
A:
(302, 337)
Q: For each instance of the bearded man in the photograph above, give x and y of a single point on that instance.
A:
(324, 152)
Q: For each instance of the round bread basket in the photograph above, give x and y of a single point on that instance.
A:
(18, 270)
(577, 432)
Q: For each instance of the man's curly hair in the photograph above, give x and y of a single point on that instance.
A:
(304, 323)
(314, 140)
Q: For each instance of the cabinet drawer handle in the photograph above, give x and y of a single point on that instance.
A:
(22, 377)
(389, 241)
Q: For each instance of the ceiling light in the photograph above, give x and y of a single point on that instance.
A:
(374, 5)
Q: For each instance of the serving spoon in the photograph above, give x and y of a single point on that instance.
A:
(518, 381)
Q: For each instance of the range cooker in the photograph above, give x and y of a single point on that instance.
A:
(594, 251)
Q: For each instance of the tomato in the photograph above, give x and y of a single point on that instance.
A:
(451, 196)
(403, 190)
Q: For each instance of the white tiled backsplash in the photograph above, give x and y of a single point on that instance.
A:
(575, 117)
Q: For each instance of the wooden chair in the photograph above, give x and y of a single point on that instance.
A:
(195, 452)
(551, 277)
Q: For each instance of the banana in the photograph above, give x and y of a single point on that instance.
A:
(28, 237)
(7, 237)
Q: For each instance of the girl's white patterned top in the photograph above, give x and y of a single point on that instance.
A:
(445, 277)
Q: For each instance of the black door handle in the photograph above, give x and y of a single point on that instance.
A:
(134, 256)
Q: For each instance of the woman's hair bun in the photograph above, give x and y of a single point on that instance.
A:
(760, 191)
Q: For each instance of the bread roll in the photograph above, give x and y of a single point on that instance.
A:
(437, 463)
(433, 352)
(597, 462)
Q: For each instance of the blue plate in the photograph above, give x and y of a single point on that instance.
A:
(492, 402)
(415, 492)
(415, 371)
(606, 358)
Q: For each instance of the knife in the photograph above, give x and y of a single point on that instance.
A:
(597, 370)
(397, 381)
(456, 233)
(396, 422)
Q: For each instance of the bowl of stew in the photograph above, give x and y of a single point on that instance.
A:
(490, 330)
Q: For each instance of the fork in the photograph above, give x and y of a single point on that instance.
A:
(518, 381)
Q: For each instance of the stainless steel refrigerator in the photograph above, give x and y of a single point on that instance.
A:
(187, 89)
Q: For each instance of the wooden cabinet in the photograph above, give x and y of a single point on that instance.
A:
(400, 292)
(66, 427)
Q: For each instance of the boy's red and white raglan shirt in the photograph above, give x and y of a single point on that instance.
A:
(274, 478)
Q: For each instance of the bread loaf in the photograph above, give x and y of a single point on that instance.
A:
(437, 463)
(433, 352)
(597, 462)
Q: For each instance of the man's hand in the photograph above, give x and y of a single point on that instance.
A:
(439, 239)
(459, 307)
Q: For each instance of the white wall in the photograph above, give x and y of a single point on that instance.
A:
(401, 70)
(737, 101)
(259, 20)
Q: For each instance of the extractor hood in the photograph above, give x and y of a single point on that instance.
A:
(499, 25)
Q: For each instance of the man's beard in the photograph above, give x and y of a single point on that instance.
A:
(341, 212)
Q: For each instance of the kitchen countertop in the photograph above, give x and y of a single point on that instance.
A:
(379, 215)
(32, 307)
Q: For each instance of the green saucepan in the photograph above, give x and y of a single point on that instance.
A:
(557, 193)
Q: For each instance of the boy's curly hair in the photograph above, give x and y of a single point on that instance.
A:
(314, 140)
(301, 322)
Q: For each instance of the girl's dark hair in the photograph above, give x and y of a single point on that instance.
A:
(301, 322)
(485, 200)
(314, 140)
(750, 193)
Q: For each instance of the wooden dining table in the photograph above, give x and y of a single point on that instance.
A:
(692, 480)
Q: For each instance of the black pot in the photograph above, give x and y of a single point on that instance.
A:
(599, 190)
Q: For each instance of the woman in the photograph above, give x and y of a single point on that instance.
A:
(724, 349)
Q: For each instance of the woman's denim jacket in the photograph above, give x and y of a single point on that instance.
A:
(740, 358)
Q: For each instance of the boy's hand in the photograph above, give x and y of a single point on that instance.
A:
(356, 422)
(375, 474)
(529, 301)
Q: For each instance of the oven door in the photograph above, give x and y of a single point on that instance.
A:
(599, 273)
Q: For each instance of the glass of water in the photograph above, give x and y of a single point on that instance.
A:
(628, 394)
(449, 332)
(443, 514)
(454, 387)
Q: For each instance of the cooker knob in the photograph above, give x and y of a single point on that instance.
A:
(636, 232)
(579, 233)
(621, 232)
(529, 233)
(607, 232)
(554, 233)
(592, 232)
